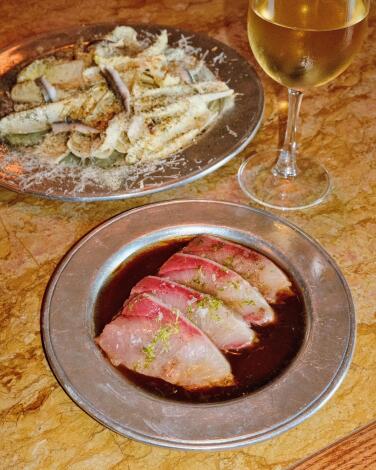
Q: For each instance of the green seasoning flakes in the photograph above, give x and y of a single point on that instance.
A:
(235, 285)
(249, 302)
(229, 261)
(198, 278)
(162, 337)
(137, 366)
(218, 246)
(214, 316)
(212, 304)
(189, 312)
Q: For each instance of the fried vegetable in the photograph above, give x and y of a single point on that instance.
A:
(193, 119)
(81, 145)
(118, 96)
(115, 158)
(39, 119)
(27, 92)
(105, 148)
(59, 127)
(158, 47)
(123, 36)
(24, 140)
(53, 148)
(57, 72)
(71, 160)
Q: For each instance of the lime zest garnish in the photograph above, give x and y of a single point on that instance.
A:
(162, 337)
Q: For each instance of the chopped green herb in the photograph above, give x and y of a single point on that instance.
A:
(189, 312)
(228, 262)
(162, 336)
(214, 316)
(235, 284)
(198, 278)
(210, 302)
(249, 302)
(198, 283)
(212, 305)
(137, 366)
(149, 352)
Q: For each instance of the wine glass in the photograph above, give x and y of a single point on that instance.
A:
(300, 44)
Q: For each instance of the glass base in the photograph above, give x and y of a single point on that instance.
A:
(309, 188)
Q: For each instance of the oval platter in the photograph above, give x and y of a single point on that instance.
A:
(219, 144)
(68, 329)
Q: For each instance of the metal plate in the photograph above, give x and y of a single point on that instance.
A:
(214, 148)
(90, 380)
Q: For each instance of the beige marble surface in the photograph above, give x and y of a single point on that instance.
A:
(41, 428)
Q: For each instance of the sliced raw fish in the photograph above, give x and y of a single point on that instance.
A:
(260, 271)
(226, 329)
(212, 278)
(152, 339)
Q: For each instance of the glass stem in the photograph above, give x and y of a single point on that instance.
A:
(286, 164)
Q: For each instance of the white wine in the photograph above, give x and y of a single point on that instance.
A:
(306, 43)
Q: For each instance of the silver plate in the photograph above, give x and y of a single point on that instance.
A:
(217, 146)
(90, 380)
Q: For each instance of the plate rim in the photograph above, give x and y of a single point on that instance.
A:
(211, 444)
(168, 186)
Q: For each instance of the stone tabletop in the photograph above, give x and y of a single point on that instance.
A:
(41, 428)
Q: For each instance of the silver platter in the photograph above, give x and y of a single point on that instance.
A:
(218, 145)
(90, 380)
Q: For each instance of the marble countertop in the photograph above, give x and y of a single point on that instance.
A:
(41, 427)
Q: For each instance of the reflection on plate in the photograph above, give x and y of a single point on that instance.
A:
(68, 318)
(20, 170)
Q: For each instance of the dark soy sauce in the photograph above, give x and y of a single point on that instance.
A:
(252, 368)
